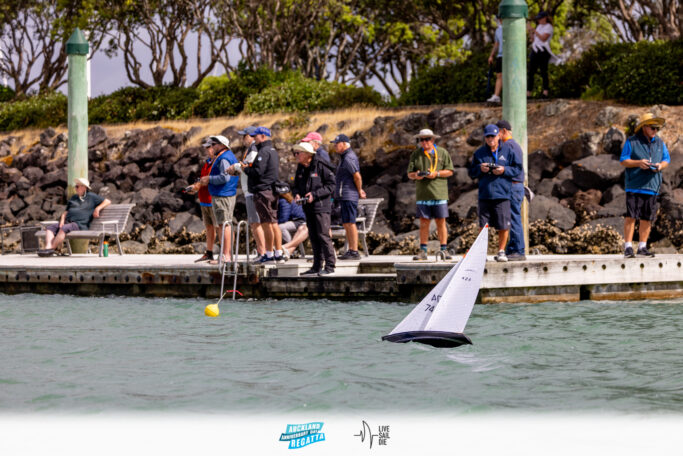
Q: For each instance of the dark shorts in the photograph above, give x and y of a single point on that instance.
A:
(432, 211)
(495, 212)
(641, 207)
(499, 65)
(349, 211)
(266, 206)
(67, 228)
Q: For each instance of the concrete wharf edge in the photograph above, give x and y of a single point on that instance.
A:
(386, 278)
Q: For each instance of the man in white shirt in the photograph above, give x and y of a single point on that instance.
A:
(540, 52)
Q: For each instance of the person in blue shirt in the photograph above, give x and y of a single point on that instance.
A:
(222, 188)
(516, 247)
(644, 156)
(495, 167)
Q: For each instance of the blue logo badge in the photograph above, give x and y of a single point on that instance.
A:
(301, 435)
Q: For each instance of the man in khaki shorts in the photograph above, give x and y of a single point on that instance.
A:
(222, 188)
(205, 205)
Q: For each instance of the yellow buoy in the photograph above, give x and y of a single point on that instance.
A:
(212, 310)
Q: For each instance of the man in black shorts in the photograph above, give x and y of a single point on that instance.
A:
(263, 173)
(495, 167)
(644, 156)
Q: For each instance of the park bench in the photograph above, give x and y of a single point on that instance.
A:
(111, 222)
(367, 211)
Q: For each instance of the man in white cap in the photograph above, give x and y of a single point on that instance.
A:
(430, 167)
(80, 210)
(644, 156)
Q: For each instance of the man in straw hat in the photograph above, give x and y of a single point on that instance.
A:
(313, 187)
(644, 156)
(430, 167)
(80, 210)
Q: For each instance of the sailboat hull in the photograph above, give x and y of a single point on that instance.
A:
(440, 339)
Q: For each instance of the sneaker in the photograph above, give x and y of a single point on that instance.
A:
(310, 272)
(350, 255)
(326, 272)
(501, 257)
(279, 259)
(265, 260)
(516, 256)
(208, 256)
(494, 99)
(628, 252)
(421, 256)
(644, 252)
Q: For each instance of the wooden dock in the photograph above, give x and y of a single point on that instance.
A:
(386, 278)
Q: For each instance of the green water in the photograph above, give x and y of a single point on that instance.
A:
(65, 353)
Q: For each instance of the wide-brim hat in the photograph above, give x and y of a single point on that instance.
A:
(426, 133)
(304, 147)
(83, 181)
(649, 119)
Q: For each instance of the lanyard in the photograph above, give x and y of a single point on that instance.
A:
(432, 166)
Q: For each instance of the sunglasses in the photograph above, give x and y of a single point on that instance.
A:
(654, 127)
(425, 139)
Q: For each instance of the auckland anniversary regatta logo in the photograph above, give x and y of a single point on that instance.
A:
(300, 435)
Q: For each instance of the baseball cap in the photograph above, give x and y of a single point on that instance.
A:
(304, 147)
(313, 136)
(490, 130)
(247, 131)
(341, 138)
(261, 131)
(504, 124)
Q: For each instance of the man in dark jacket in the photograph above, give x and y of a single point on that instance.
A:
(516, 247)
(644, 156)
(262, 175)
(314, 184)
(495, 167)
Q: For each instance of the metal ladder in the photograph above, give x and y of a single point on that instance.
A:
(232, 268)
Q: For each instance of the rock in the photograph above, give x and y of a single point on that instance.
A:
(146, 234)
(168, 201)
(607, 116)
(9, 175)
(575, 149)
(32, 214)
(388, 180)
(544, 208)
(113, 174)
(612, 193)
(555, 107)
(405, 200)
(132, 247)
(146, 196)
(16, 204)
(615, 208)
(600, 171)
(461, 180)
(412, 123)
(613, 141)
(545, 187)
(96, 135)
(377, 191)
(540, 166)
(564, 188)
(23, 185)
(448, 120)
(190, 222)
(465, 208)
(588, 201)
(46, 137)
(53, 179)
(617, 223)
(476, 137)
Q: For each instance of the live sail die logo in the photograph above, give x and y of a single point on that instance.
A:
(301, 435)
(366, 433)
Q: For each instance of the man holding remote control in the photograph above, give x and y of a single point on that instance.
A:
(644, 156)
(430, 167)
(495, 167)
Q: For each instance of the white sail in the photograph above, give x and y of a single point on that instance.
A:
(420, 315)
(458, 299)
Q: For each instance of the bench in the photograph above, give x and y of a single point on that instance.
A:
(367, 211)
(111, 222)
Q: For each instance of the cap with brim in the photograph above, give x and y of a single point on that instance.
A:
(261, 131)
(313, 136)
(341, 138)
(490, 130)
(426, 134)
(541, 15)
(504, 124)
(220, 139)
(649, 119)
(304, 147)
(247, 131)
(83, 181)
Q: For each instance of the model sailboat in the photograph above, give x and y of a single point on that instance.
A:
(440, 318)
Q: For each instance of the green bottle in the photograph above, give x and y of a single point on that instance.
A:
(105, 249)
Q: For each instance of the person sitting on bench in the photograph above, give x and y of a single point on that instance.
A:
(80, 210)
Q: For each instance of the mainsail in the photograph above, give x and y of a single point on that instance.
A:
(440, 318)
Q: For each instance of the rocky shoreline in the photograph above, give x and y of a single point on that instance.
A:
(578, 181)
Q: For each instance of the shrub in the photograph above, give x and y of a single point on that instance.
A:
(38, 111)
(135, 103)
(6, 93)
(298, 93)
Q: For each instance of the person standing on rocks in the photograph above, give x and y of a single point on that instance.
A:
(80, 210)
(263, 174)
(316, 140)
(348, 190)
(430, 167)
(223, 190)
(644, 156)
(495, 168)
(497, 56)
(515, 248)
(252, 216)
(208, 216)
(314, 183)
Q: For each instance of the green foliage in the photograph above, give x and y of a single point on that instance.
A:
(6, 93)
(298, 93)
(133, 103)
(448, 84)
(38, 111)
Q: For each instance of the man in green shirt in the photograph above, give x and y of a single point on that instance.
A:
(430, 167)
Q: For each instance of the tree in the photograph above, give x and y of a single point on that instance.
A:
(637, 20)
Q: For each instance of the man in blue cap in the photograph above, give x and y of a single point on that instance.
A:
(495, 167)
(348, 189)
(263, 174)
(516, 247)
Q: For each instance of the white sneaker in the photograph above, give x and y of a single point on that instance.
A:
(494, 99)
(501, 257)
